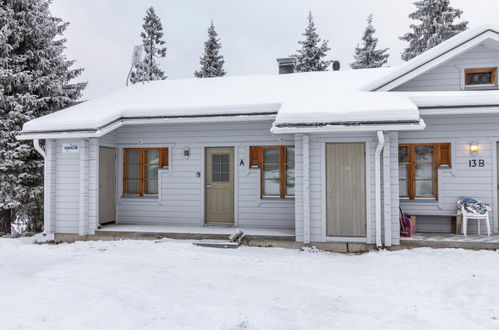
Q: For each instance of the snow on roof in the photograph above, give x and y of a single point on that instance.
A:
(431, 55)
(453, 99)
(301, 97)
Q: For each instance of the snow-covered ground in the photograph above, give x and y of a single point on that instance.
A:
(175, 285)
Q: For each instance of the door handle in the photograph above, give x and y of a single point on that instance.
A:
(208, 186)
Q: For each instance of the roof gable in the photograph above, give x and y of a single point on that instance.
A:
(459, 44)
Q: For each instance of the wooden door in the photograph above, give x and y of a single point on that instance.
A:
(107, 185)
(346, 190)
(219, 191)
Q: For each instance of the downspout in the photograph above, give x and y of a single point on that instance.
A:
(377, 186)
(36, 144)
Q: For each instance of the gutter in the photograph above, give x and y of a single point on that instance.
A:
(377, 186)
(410, 126)
(103, 130)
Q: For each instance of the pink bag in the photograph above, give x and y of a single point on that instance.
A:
(405, 225)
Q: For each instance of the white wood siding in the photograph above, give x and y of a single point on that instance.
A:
(181, 199)
(448, 76)
(460, 180)
(67, 191)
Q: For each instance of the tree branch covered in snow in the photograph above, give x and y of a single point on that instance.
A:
(436, 24)
(212, 63)
(366, 54)
(149, 70)
(35, 80)
(313, 51)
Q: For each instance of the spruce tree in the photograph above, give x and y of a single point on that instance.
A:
(313, 50)
(212, 63)
(436, 25)
(35, 80)
(152, 41)
(366, 54)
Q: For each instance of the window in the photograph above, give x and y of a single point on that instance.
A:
(480, 77)
(220, 168)
(418, 165)
(140, 170)
(277, 164)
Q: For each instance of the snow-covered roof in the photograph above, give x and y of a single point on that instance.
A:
(433, 57)
(313, 100)
(306, 98)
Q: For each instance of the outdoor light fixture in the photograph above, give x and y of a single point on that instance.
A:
(187, 152)
(474, 148)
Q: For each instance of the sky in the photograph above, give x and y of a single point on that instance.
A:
(102, 33)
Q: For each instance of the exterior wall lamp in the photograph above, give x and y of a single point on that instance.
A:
(187, 152)
(474, 148)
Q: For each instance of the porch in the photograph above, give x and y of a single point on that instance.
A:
(444, 240)
(130, 231)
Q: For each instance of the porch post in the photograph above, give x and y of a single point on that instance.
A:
(306, 188)
(83, 183)
(387, 192)
(48, 186)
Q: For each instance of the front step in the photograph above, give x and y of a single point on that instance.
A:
(218, 244)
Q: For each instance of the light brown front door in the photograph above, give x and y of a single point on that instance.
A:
(107, 185)
(219, 191)
(346, 189)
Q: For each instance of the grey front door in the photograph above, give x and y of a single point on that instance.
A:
(107, 185)
(219, 183)
(346, 189)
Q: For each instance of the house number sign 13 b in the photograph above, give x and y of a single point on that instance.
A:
(476, 163)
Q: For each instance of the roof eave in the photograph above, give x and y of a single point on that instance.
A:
(95, 133)
(333, 128)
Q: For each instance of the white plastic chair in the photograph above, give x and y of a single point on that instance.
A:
(474, 216)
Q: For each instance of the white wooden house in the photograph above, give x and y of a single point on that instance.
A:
(323, 157)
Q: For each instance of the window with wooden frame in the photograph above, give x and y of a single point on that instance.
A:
(140, 170)
(277, 165)
(480, 77)
(418, 169)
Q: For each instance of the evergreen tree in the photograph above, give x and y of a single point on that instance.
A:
(366, 55)
(436, 25)
(212, 63)
(149, 70)
(34, 81)
(311, 55)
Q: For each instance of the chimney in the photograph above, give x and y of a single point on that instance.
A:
(287, 65)
(336, 65)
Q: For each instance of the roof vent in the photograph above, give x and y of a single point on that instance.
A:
(336, 65)
(287, 65)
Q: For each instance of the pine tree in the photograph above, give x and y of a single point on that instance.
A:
(436, 25)
(366, 55)
(311, 56)
(149, 70)
(212, 63)
(34, 81)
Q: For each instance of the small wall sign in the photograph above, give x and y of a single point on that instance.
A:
(476, 163)
(70, 148)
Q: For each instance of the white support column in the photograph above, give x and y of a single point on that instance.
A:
(93, 185)
(48, 186)
(83, 182)
(387, 193)
(306, 188)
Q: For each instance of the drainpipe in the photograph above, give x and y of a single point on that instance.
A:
(377, 185)
(36, 143)
(48, 230)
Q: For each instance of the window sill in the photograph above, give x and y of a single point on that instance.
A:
(424, 201)
(271, 198)
(133, 197)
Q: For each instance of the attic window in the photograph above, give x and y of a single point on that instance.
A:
(481, 77)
